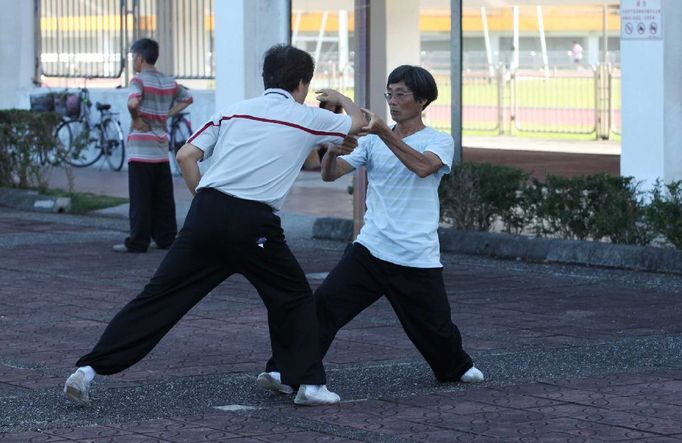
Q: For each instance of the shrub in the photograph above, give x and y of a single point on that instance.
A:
(561, 206)
(26, 142)
(475, 193)
(616, 210)
(664, 212)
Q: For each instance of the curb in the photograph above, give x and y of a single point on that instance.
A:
(509, 246)
(27, 200)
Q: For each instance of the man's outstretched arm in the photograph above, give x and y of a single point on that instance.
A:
(334, 97)
(333, 167)
(422, 164)
(188, 158)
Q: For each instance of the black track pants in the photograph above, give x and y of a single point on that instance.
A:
(222, 235)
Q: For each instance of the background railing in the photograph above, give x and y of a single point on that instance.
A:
(82, 39)
(583, 102)
(91, 39)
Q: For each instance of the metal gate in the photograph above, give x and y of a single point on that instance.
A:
(81, 39)
(559, 103)
(90, 39)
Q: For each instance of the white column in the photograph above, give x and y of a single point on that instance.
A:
(17, 51)
(394, 41)
(652, 100)
(244, 30)
(593, 49)
(165, 21)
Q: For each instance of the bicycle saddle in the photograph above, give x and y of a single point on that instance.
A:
(101, 107)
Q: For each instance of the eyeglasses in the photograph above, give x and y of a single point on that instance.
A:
(398, 95)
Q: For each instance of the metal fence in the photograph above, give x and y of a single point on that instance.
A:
(562, 102)
(184, 29)
(574, 102)
(81, 39)
(90, 38)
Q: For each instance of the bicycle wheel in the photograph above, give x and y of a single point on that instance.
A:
(180, 132)
(113, 144)
(81, 143)
(63, 138)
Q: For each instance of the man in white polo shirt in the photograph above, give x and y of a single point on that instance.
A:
(257, 147)
(397, 253)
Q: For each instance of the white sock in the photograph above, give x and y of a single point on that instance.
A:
(276, 375)
(88, 372)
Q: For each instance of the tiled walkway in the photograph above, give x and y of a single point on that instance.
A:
(571, 354)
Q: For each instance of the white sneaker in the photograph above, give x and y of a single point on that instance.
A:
(77, 388)
(473, 375)
(271, 381)
(314, 395)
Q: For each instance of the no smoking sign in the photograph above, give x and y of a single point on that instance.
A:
(641, 20)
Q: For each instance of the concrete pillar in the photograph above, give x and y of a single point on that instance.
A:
(652, 98)
(244, 30)
(394, 41)
(495, 47)
(17, 51)
(592, 49)
(165, 22)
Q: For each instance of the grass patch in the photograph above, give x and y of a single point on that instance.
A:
(84, 202)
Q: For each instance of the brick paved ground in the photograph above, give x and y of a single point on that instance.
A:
(571, 354)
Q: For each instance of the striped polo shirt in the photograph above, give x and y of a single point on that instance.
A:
(257, 146)
(403, 210)
(158, 93)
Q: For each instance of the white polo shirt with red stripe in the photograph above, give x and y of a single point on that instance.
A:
(258, 146)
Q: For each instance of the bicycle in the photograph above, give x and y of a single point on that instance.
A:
(84, 143)
(179, 130)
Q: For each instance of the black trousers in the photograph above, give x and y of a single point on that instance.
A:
(152, 207)
(222, 235)
(417, 296)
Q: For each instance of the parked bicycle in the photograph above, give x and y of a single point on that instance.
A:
(179, 130)
(84, 142)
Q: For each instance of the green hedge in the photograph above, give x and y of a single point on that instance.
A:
(26, 143)
(596, 207)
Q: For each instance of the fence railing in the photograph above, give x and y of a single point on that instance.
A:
(581, 102)
(91, 39)
(81, 39)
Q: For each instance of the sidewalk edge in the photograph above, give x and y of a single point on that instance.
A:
(27, 200)
(509, 246)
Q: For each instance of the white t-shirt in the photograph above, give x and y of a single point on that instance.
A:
(403, 211)
(259, 145)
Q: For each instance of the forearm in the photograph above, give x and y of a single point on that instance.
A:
(354, 111)
(134, 113)
(134, 107)
(413, 160)
(188, 159)
(328, 167)
(332, 168)
(191, 175)
(178, 108)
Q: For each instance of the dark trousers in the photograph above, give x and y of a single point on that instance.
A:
(152, 207)
(222, 235)
(417, 296)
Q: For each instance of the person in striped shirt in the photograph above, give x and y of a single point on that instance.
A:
(153, 99)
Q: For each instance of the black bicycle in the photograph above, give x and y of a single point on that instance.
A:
(84, 142)
(179, 130)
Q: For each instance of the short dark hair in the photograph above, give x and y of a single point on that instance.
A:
(147, 48)
(284, 66)
(419, 80)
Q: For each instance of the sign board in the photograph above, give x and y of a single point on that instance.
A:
(641, 20)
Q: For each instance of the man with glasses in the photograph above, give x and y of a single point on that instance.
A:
(397, 253)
